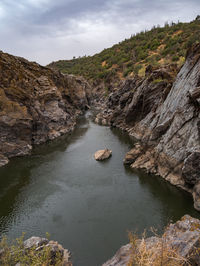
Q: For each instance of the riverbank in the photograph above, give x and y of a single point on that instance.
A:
(60, 189)
(37, 104)
(163, 116)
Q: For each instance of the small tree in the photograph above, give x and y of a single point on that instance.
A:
(198, 17)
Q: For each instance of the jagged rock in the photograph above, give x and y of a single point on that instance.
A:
(191, 168)
(183, 236)
(121, 258)
(133, 154)
(102, 154)
(36, 104)
(35, 242)
(164, 116)
(36, 245)
(39, 243)
(3, 160)
(196, 196)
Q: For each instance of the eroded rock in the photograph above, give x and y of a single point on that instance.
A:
(55, 249)
(50, 252)
(196, 196)
(133, 154)
(163, 115)
(102, 154)
(191, 168)
(36, 104)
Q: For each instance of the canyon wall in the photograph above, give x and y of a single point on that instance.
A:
(37, 104)
(164, 118)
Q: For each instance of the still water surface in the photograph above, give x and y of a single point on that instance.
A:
(87, 206)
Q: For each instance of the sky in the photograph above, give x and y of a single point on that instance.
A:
(50, 30)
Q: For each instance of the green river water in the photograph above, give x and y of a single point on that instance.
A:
(85, 205)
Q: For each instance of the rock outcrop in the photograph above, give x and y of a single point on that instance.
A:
(55, 249)
(36, 104)
(102, 155)
(164, 117)
(181, 240)
(49, 250)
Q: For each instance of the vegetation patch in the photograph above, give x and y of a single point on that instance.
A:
(157, 253)
(159, 46)
(13, 253)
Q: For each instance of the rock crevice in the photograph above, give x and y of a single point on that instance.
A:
(163, 116)
(37, 104)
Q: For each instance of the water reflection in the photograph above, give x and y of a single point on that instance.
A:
(62, 190)
(16, 176)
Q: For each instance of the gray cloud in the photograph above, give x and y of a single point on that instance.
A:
(47, 30)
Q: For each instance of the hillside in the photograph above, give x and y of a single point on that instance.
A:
(159, 47)
(164, 118)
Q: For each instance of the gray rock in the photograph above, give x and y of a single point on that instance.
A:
(3, 160)
(164, 117)
(55, 248)
(35, 242)
(191, 168)
(196, 196)
(36, 104)
(121, 258)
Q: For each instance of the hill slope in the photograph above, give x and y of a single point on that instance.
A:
(164, 117)
(158, 47)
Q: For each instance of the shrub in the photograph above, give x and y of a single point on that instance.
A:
(161, 253)
(137, 68)
(141, 47)
(15, 253)
(127, 71)
(175, 58)
(141, 72)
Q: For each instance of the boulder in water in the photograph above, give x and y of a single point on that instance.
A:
(102, 154)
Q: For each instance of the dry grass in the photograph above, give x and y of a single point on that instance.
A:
(160, 253)
(12, 254)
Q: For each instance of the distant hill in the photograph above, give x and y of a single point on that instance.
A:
(159, 47)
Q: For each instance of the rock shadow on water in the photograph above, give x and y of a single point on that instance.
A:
(61, 143)
(123, 136)
(15, 177)
(169, 195)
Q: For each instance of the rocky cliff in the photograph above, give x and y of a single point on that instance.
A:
(164, 117)
(36, 104)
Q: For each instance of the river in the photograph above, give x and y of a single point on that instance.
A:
(87, 206)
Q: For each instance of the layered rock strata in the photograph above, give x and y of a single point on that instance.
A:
(37, 104)
(164, 117)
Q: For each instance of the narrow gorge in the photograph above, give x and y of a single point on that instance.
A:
(150, 122)
(163, 117)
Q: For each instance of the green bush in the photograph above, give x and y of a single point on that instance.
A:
(130, 53)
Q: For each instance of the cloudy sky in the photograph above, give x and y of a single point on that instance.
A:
(49, 30)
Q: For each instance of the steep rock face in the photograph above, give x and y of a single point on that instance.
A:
(183, 238)
(166, 121)
(36, 104)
